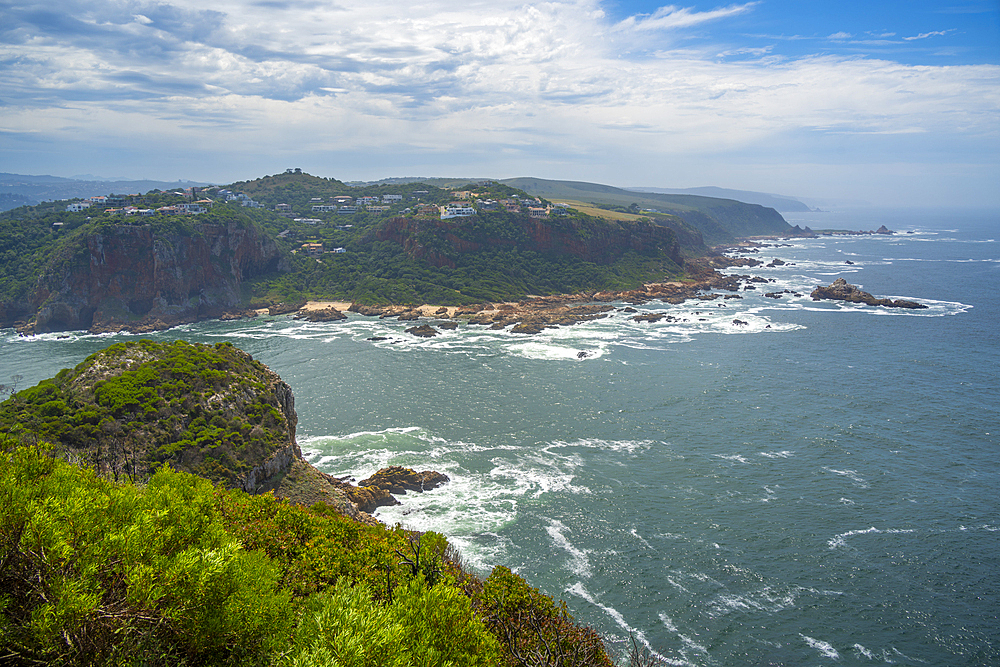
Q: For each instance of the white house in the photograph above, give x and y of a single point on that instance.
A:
(78, 206)
(455, 210)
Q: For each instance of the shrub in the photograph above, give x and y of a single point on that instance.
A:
(431, 626)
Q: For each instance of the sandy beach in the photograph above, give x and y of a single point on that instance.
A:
(427, 310)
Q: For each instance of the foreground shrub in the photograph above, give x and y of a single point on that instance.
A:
(95, 572)
(181, 572)
(430, 626)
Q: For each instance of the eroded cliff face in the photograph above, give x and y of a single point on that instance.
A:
(132, 278)
(600, 243)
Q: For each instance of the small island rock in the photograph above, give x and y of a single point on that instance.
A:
(841, 290)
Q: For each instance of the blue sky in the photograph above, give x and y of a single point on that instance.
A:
(888, 102)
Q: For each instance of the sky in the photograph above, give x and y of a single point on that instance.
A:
(890, 103)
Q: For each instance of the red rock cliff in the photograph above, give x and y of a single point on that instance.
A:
(132, 278)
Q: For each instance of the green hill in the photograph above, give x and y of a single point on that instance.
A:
(293, 236)
(718, 220)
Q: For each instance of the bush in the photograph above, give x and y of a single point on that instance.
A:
(98, 573)
(431, 626)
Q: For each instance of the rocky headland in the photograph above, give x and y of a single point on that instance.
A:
(212, 411)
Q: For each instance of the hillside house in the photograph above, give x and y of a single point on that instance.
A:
(312, 249)
(457, 210)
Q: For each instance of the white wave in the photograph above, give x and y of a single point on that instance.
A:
(626, 446)
(825, 648)
(685, 640)
(849, 474)
(578, 590)
(677, 585)
(534, 476)
(635, 533)
(732, 457)
(552, 352)
(784, 454)
(863, 651)
(840, 539)
(579, 563)
(765, 599)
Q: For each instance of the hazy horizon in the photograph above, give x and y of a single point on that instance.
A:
(893, 104)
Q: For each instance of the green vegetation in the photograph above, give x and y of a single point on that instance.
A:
(125, 411)
(181, 572)
(494, 255)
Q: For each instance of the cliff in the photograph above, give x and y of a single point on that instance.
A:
(137, 278)
(128, 410)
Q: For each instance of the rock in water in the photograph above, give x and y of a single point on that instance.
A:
(329, 314)
(423, 331)
(841, 290)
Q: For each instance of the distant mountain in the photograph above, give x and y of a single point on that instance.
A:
(777, 202)
(718, 220)
(35, 189)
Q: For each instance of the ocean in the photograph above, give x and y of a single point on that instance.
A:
(818, 486)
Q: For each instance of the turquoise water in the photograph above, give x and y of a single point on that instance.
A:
(819, 486)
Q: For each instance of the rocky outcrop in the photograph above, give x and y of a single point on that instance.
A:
(396, 479)
(132, 278)
(285, 307)
(377, 491)
(841, 290)
(329, 314)
(423, 331)
(212, 411)
(278, 463)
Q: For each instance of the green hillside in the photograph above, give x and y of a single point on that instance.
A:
(718, 220)
(297, 241)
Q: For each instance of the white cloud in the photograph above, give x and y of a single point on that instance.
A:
(672, 17)
(840, 35)
(553, 85)
(925, 35)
